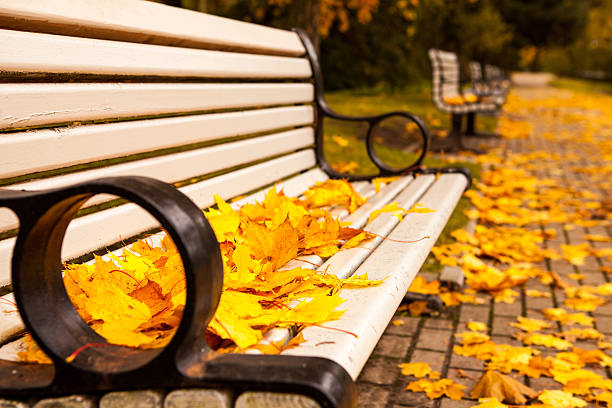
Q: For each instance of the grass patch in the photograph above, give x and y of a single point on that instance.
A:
(582, 85)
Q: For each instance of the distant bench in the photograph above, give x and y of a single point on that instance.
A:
(111, 97)
(448, 97)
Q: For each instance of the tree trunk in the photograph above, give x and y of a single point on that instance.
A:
(304, 14)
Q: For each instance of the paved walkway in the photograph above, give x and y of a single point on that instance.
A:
(431, 339)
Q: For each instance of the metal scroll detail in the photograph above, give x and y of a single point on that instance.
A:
(323, 111)
(186, 361)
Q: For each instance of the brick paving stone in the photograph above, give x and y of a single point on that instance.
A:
(506, 340)
(538, 303)
(392, 346)
(604, 310)
(593, 279)
(407, 329)
(501, 325)
(433, 339)
(72, 401)
(604, 324)
(561, 266)
(463, 362)
(449, 403)
(586, 345)
(372, 396)
(408, 398)
(505, 309)
(467, 379)
(474, 313)
(380, 370)
(433, 358)
(6, 403)
(537, 285)
(198, 398)
(438, 324)
(544, 383)
(132, 399)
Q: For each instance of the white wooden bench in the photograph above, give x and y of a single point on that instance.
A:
(448, 97)
(94, 97)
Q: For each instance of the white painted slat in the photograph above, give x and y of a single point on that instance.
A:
(25, 105)
(344, 263)
(10, 350)
(24, 152)
(106, 227)
(176, 167)
(369, 310)
(11, 323)
(144, 22)
(33, 52)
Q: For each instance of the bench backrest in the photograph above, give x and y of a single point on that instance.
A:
(118, 87)
(445, 76)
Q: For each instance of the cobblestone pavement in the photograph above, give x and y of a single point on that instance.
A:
(431, 339)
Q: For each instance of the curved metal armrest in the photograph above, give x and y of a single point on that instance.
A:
(323, 111)
(373, 121)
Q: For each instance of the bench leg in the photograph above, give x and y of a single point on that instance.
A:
(452, 142)
(469, 129)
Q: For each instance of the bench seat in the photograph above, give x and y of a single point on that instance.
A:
(210, 106)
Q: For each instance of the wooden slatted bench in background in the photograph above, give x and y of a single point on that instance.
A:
(448, 97)
(92, 91)
(491, 89)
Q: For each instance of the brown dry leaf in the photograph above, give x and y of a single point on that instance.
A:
(502, 387)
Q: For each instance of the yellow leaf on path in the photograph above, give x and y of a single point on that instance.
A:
(547, 340)
(575, 254)
(537, 294)
(397, 322)
(489, 403)
(530, 325)
(596, 238)
(476, 326)
(501, 387)
(419, 370)
(561, 399)
(436, 389)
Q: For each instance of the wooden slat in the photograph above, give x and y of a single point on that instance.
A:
(9, 316)
(344, 263)
(25, 105)
(25, 152)
(177, 167)
(98, 230)
(144, 22)
(369, 310)
(47, 53)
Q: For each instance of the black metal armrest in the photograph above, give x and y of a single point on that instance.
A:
(323, 111)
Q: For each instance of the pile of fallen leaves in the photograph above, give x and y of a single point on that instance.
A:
(136, 299)
(516, 209)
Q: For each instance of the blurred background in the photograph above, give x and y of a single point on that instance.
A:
(390, 38)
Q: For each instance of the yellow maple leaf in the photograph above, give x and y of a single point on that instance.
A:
(436, 389)
(561, 399)
(476, 326)
(530, 325)
(419, 370)
(378, 182)
(392, 208)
